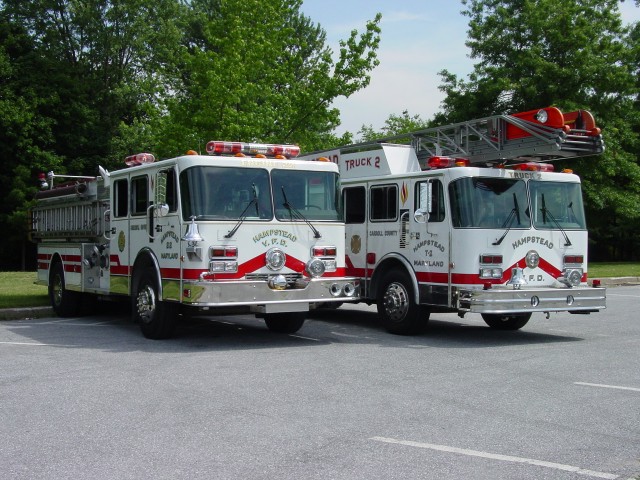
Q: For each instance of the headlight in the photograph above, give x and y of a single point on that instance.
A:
(542, 116)
(574, 276)
(490, 272)
(315, 267)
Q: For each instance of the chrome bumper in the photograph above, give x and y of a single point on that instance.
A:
(509, 300)
(258, 294)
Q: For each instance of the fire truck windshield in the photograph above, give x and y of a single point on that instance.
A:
(231, 193)
(503, 203)
(225, 193)
(489, 203)
(313, 194)
(557, 206)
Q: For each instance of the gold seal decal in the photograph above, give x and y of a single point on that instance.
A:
(122, 241)
(356, 243)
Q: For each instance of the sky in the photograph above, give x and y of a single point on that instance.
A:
(419, 38)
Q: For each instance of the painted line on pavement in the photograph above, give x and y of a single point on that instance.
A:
(617, 387)
(305, 338)
(494, 456)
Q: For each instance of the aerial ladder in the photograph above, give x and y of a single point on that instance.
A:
(540, 135)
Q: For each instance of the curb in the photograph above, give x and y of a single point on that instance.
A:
(25, 313)
(619, 281)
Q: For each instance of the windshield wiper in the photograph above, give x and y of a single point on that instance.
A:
(513, 214)
(296, 213)
(545, 211)
(244, 215)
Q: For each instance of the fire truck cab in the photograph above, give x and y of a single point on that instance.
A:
(246, 228)
(471, 218)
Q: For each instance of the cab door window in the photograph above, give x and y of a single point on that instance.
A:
(139, 195)
(384, 203)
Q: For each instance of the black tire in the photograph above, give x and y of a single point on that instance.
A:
(157, 319)
(289, 322)
(398, 310)
(515, 321)
(64, 302)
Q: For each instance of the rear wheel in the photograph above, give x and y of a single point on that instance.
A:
(289, 322)
(397, 307)
(515, 321)
(64, 302)
(157, 319)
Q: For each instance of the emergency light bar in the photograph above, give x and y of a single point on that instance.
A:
(139, 159)
(533, 167)
(446, 162)
(240, 148)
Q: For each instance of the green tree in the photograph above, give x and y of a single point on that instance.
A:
(259, 70)
(71, 72)
(572, 54)
(394, 125)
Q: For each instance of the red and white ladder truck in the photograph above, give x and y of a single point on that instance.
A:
(471, 218)
(247, 228)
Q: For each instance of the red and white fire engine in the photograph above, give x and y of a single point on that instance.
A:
(471, 218)
(247, 228)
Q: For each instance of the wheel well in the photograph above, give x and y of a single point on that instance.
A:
(386, 265)
(55, 259)
(144, 261)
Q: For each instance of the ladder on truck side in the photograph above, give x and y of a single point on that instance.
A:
(534, 136)
(70, 212)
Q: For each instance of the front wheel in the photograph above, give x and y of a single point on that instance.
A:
(397, 307)
(157, 319)
(515, 321)
(289, 322)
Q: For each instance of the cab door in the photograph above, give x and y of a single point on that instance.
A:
(430, 244)
(119, 237)
(354, 200)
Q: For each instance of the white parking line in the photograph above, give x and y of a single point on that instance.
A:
(31, 344)
(494, 456)
(617, 387)
(304, 338)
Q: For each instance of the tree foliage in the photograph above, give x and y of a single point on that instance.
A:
(86, 82)
(261, 71)
(572, 54)
(394, 125)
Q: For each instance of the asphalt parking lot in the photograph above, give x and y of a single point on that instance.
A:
(341, 399)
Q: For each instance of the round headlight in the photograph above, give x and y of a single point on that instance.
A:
(315, 267)
(532, 258)
(276, 259)
(542, 116)
(574, 277)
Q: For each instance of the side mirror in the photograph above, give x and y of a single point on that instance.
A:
(421, 216)
(162, 209)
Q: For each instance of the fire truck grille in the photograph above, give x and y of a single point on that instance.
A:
(291, 277)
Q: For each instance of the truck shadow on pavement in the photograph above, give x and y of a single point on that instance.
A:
(441, 331)
(113, 330)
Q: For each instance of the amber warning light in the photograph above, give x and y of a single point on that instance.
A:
(240, 149)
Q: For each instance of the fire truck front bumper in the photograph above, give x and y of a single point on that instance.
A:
(503, 300)
(266, 296)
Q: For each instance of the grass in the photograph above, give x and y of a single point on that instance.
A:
(614, 269)
(17, 289)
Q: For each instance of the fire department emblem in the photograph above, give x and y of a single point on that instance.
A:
(356, 243)
(121, 241)
(404, 193)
